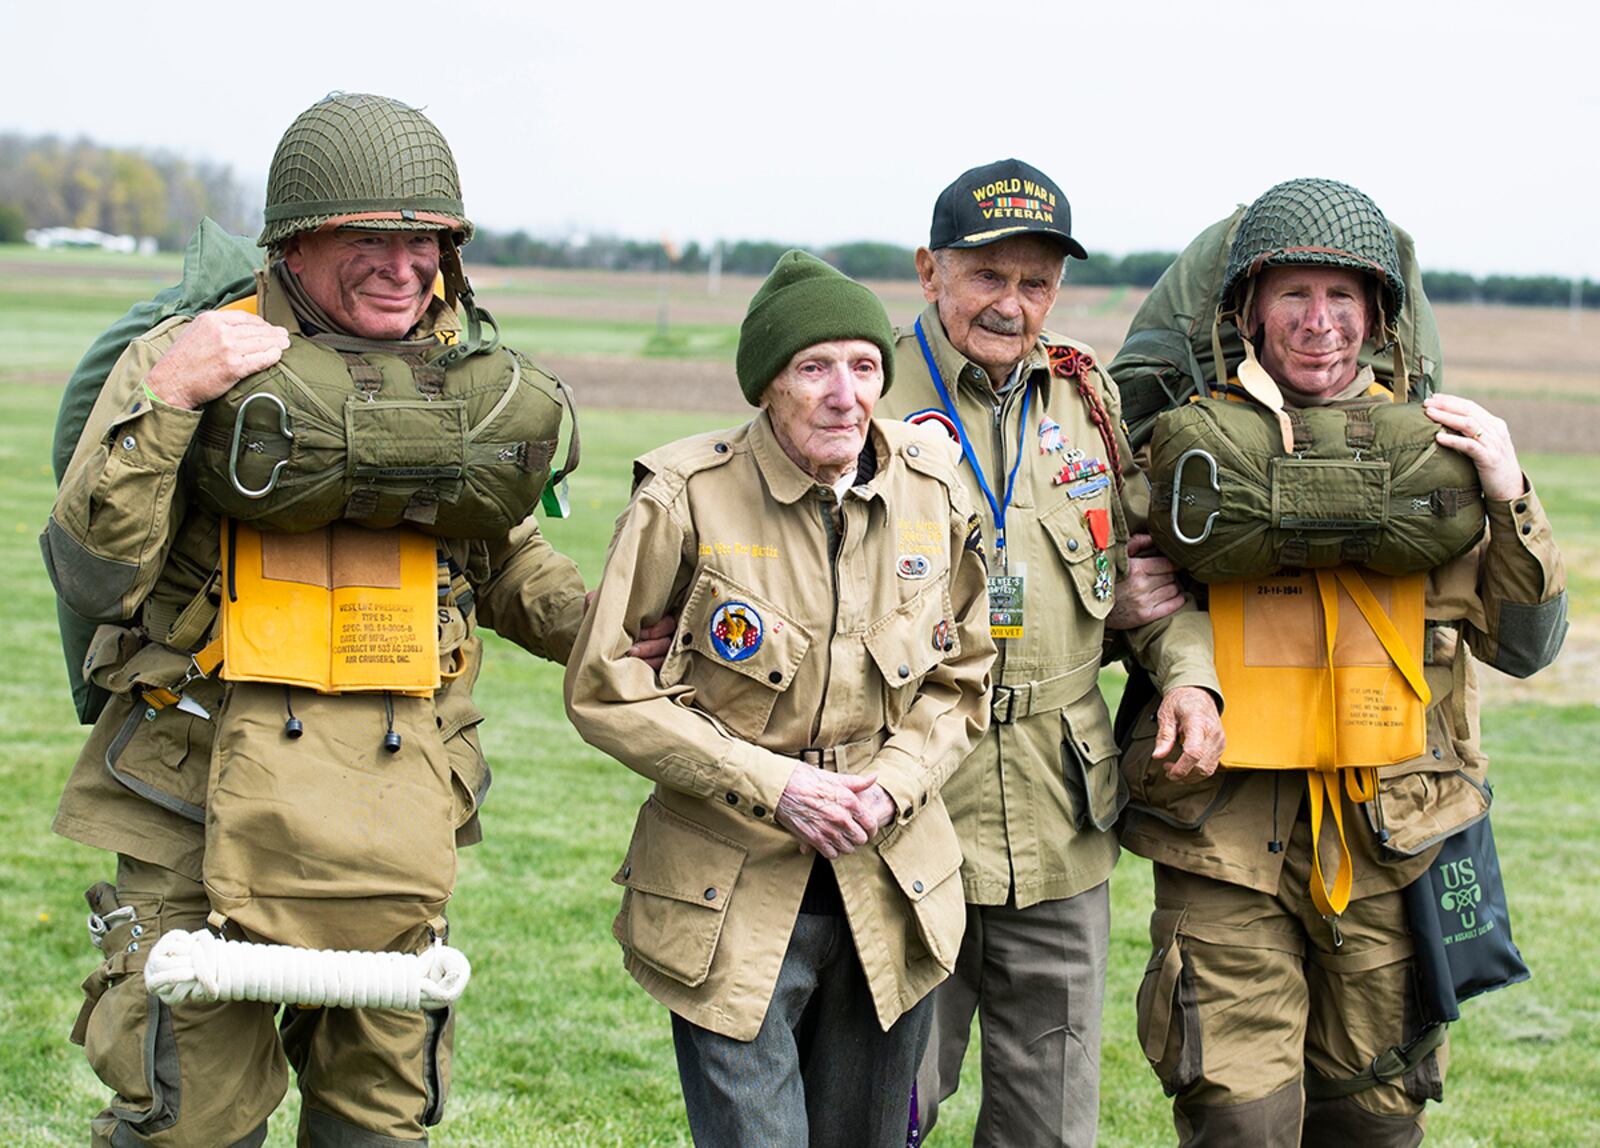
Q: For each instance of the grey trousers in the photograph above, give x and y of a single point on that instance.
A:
(820, 1073)
(1036, 978)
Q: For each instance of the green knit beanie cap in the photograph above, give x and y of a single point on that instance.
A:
(805, 302)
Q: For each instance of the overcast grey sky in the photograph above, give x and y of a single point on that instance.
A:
(1472, 124)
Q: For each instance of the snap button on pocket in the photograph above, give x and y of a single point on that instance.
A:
(711, 894)
(904, 671)
(1072, 544)
(916, 886)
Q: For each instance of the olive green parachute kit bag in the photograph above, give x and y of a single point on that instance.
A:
(1171, 355)
(218, 268)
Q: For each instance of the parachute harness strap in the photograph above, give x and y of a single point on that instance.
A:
(202, 966)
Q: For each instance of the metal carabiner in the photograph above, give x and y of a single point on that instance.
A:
(238, 436)
(1177, 483)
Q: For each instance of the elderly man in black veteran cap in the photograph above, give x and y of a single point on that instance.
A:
(1038, 423)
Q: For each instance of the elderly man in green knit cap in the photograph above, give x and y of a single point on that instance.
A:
(791, 891)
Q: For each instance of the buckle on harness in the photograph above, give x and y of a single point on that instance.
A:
(238, 436)
(1177, 486)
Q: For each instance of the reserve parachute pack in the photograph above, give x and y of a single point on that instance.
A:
(1170, 354)
(1360, 482)
(344, 429)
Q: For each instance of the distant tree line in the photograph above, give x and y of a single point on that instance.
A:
(46, 181)
(868, 260)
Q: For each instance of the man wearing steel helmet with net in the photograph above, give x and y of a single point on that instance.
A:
(1279, 1006)
(256, 799)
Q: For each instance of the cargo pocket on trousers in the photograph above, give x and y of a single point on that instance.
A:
(1169, 1015)
(436, 1062)
(924, 855)
(679, 877)
(126, 1032)
(1090, 764)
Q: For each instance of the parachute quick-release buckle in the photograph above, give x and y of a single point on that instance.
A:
(1177, 486)
(238, 437)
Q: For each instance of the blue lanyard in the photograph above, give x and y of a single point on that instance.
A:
(999, 508)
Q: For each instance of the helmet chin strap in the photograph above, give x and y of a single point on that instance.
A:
(458, 290)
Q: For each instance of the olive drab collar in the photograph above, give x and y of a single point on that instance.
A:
(786, 482)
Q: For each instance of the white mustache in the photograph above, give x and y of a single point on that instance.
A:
(999, 324)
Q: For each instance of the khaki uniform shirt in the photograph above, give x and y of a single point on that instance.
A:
(1222, 827)
(881, 650)
(1034, 804)
(125, 541)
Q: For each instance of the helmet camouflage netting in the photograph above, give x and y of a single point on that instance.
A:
(365, 161)
(1315, 222)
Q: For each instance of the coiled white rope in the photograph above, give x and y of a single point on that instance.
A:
(201, 966)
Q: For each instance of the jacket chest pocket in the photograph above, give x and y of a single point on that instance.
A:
(910, 641)
(1091, 572)
(736, 650)
(679, 877)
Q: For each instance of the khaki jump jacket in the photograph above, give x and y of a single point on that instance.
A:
(1504, 603)
(125, 543)
(882, 651)
(1034, 803)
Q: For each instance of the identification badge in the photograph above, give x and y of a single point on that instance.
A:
(1005, 605)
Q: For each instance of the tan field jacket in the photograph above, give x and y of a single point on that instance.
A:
(881, 650)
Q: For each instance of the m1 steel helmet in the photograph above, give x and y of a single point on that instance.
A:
(1315, 222)
(363, 161)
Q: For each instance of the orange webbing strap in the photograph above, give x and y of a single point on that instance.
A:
(1360, 782)
(1329, 902)
(201, 665)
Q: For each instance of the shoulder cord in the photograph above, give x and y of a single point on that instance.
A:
(1069, 362)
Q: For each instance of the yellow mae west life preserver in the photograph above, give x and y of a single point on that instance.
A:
(1322, 670)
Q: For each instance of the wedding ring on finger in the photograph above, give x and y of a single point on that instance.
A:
(1476, 432)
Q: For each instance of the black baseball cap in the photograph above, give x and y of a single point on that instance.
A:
(997, 201)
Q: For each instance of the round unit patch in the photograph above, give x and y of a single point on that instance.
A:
(736, 631)
(938, 418)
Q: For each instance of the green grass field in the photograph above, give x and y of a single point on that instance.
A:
(556, 1045)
